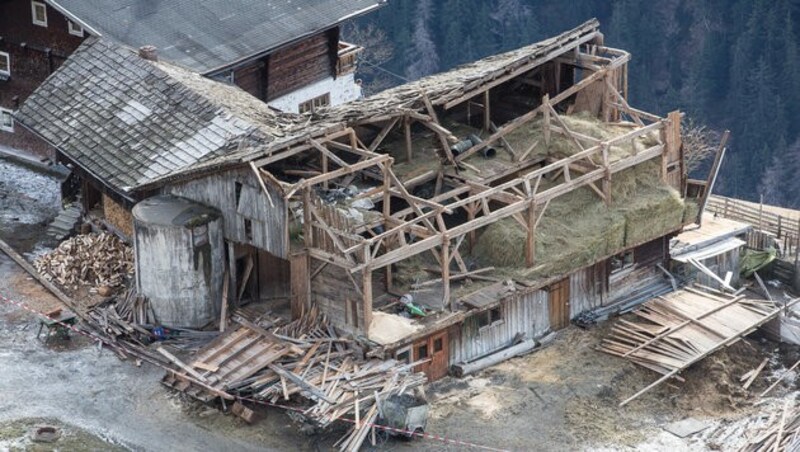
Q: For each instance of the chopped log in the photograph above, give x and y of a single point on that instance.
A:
(463, 369)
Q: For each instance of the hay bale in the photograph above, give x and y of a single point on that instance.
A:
(654, 212)
(690, 211)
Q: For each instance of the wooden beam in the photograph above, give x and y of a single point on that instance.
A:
(487, 112)
(530, 240)
(382, 134)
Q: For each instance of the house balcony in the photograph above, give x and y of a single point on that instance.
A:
(347, 58)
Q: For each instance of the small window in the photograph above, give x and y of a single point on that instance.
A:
(315, 103)
(404, 355)
(248, 229)
(494, 315)
(422, 351)
(489, 317)
(621, 261)
(438, 345)
(39, 13)
(5, 65)
(6, 120)
(74, 29)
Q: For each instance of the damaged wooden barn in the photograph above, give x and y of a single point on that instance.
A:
(440, 221)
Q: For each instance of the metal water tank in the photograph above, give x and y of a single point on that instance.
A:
(180, 260)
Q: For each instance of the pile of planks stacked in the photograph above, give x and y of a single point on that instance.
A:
(782, 433)
(96, 259)
(123, 315)
(674, 331)
(305, 358)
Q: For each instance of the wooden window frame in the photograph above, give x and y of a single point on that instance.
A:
(490, 317)
(75, 29)
(628, 259)
(406, 349)
(6, 73)
(34, 5)
(311, 105)
(3, 127)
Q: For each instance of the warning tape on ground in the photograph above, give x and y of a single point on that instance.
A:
(387, 428)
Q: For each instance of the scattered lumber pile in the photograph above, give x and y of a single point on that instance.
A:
(674, 331)
(96, 259)
(305, 361)
(782, 433)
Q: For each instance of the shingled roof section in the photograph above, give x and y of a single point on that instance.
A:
(131, 122)
(209, 35)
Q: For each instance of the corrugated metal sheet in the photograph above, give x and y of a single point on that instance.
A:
(521, 313)
(268, 222)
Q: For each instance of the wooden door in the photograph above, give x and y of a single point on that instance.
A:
(559, 305)
(435, 348)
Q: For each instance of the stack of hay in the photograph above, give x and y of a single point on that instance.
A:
(96, 259)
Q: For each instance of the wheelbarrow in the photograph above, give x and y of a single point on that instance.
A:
(406, 416)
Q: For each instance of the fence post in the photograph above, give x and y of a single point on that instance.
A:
(779, 226)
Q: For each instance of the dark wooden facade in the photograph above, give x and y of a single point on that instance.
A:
(35, 52)
(290, 68)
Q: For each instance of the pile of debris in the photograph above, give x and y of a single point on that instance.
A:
(96, 259)
(782, 432)
(304, 358)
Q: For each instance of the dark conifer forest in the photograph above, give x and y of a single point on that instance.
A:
(729, 64)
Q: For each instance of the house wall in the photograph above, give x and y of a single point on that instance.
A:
(302, 64)
(268, 226)
(341, 89)
(588, 289)
(336, 296)
(522, 312)
(35, 53)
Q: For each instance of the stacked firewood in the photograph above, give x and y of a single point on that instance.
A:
(782, 433)
(96, 259)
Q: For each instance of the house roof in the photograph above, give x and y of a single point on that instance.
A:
(209, 35)
(131, 122)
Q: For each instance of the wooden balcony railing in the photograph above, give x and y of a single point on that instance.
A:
(347, 57)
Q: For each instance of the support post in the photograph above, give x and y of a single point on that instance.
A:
(606, 176)
(366, 290)
(407, 128)
(487, 115)
(307, 229)
(471, 216)
(387, 212)
(530, 242)
(445, 270)
(546, 120)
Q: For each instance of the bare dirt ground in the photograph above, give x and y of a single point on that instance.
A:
(564, 397)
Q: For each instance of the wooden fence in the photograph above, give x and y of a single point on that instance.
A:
(785, 229)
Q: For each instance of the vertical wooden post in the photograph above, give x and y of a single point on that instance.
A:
(530, 242)
(760, 212)
(546, 119)
(407, 128)
(779, 226)
(307, 229)
(387, 212)
(471, 216)
(366, 290)
(487, 114)
(232, 271)
(324, 169)
(445, 270)
(606, 176)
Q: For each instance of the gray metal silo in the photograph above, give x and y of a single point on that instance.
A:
(179, 259)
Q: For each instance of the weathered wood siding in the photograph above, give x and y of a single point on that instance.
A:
(252, 78)
(720, 264)
(521, 313)
(306, 62)
(587, 289)
(644, 272)
(268, 229)
(336, 296)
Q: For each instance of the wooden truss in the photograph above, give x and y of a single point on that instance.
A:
(420, 227)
